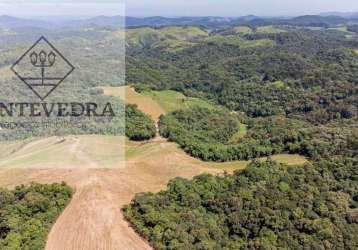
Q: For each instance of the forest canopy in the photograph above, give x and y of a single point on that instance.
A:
(305, 74)
(265, 206)
(139, 126)
(28, 212)
(296, 94)
(211, 135)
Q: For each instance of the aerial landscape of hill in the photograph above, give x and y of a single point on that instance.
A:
(227, 133)
(292, 83)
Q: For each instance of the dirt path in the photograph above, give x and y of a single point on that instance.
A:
(93, 219)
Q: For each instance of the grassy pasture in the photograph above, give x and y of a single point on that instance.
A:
(173, 45)
(171, 38)
(238, 41)
(243, 30)
(171, 100)
(269, 29)
(184, 33)
(278, 84)
(342, 29)
(288, 159)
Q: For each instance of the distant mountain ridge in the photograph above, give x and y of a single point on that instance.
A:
(324, 20)
(341, 14)
(14, 22)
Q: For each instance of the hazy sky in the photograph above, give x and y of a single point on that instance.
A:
(42, 8)
(173, 7)
(236, 7)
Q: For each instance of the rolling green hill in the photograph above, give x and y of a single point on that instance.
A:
(295, 87)
(167, 38)
(175, 38)
(270, 29)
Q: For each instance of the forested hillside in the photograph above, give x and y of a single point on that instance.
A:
(266, 206)
(295, 89)
(300, 73)
(216, 136)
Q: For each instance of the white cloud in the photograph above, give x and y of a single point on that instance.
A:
(236, 7)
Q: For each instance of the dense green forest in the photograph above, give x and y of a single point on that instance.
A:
(296, 90)
(301, 73)
(266, 206)
(212, 135)
(301, 83)
(28, 212)
(139, 126)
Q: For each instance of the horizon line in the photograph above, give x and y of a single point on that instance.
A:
(176, 16)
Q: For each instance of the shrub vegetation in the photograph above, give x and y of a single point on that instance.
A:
(139, 126)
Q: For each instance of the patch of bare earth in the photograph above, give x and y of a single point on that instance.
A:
(93, 220)
(144, 103)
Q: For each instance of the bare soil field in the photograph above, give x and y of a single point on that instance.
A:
(93, 220)
(90, 151)
(144, 103)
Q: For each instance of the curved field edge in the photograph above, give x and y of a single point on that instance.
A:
(79, 151)
(157, 103)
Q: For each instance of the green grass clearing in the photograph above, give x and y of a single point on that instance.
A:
(288, 159)
(242, 30)
(278, 84)
(173, 45)
(342, 29)
(171, 100)
(238, 41)
(269, 29)
(239, 134)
